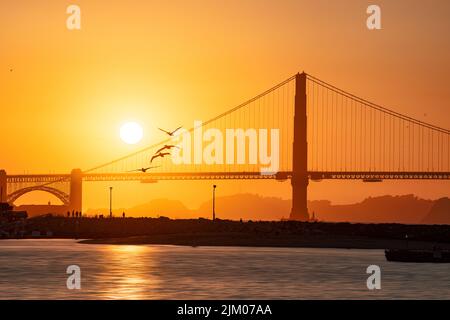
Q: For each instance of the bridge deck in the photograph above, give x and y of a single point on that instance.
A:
(155, 176)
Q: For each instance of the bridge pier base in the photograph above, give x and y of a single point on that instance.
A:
(299, 180)
(76, 190)
(299, 210)
(3, 193)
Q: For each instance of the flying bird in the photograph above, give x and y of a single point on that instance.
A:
(166, 146)
(170, 133)
(143, 169)
(159, 154)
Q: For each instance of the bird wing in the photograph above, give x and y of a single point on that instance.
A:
(155, 156)
(134, 170)
(161, 149)
(148, 168)
(176, 130)
(164, 131)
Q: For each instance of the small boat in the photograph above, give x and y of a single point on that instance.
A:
(420, 256)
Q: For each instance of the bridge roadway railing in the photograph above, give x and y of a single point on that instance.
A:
(143, 177)
(155, 176)
(376, 175)
(36, 178)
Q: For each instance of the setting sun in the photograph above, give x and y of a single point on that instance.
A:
(131, 133)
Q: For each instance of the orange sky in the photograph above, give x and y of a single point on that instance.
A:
(150, 61)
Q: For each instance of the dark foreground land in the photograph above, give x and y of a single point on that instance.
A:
(203, 232)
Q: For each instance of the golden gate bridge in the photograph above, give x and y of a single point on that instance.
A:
(325, 133)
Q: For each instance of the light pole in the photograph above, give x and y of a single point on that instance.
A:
(110, 202)
(214, 202)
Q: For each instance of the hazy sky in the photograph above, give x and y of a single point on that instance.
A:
(62, 105)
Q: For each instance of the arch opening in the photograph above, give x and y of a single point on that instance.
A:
(60, 195)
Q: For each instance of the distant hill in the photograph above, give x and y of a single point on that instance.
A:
(392, 209)
(235, 207)
(35, 210)
(439, 213)
(162, 207)
(407, 209)
(155, 208)
(247, 207)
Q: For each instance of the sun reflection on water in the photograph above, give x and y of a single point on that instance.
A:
(129, 271)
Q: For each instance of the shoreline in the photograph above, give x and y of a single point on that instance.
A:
(244, 240)
(214, 240)
(203, 232)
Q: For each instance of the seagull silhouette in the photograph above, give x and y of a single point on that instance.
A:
(170, 133)
(143, 169)
(159, 154)
(166, 146)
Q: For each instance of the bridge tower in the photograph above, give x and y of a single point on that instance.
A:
(3, 186)
(300, 180)
(76, 190)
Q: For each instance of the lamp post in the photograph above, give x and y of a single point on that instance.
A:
(110, 202)
(214, 203)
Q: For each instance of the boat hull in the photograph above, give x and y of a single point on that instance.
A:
(417, 256)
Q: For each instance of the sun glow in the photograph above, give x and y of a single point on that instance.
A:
(131, 133)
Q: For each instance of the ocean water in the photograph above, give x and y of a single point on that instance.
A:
(36, 269)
